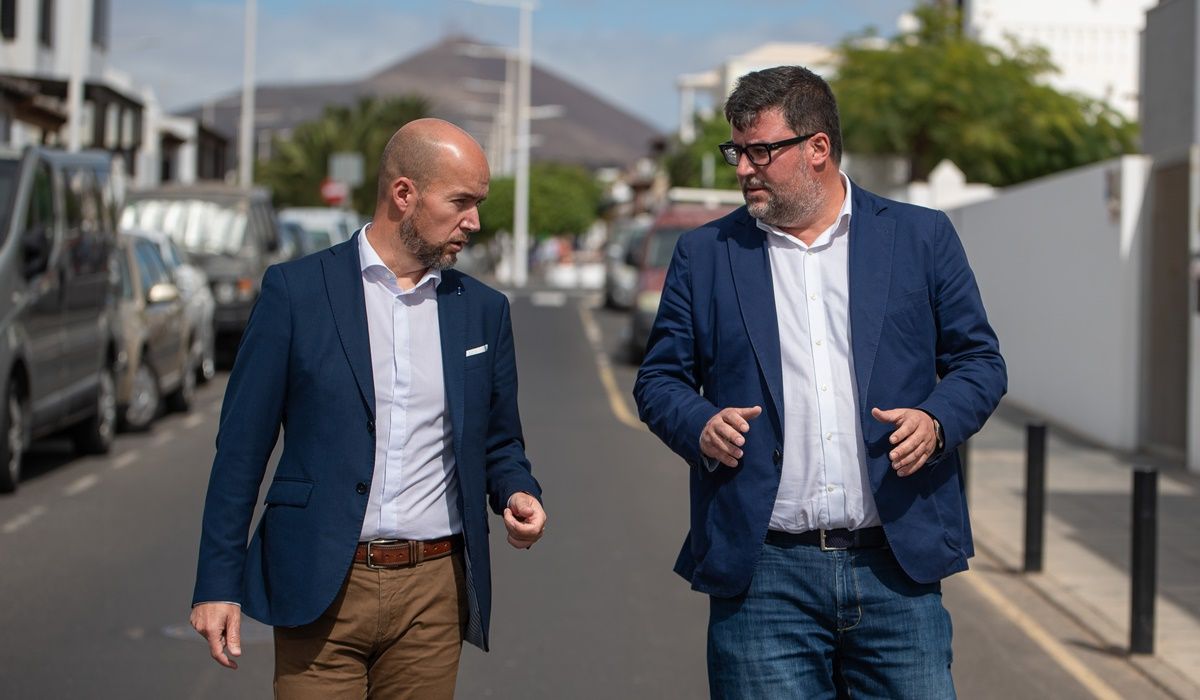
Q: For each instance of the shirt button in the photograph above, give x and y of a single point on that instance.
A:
(818, 343)
(777, 456)
(824, 387)
(812, 296)
(371, 427)
(828, 436)
(831, 488)
(361, 487)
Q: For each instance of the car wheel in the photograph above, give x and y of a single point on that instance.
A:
(181, 399)
(12, 450)
(144, 401)
(207, 368)
(95, 435)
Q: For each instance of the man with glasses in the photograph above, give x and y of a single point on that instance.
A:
(817, 358)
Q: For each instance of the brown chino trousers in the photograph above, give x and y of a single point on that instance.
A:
(390, 633)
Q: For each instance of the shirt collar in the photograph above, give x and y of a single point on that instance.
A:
(373, 268)
(841, 223)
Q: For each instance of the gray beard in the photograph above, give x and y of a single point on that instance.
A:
(781, 213)
(434, 257)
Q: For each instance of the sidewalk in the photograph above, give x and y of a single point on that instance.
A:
(1087, 547)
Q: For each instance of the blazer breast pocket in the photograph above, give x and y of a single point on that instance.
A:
(478, 356)
(906, 301)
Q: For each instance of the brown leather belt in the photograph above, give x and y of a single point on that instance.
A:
(394, 554)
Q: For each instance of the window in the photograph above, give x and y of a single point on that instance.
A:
(150, 265)
(100, 23)
(8, 19)
(46, 23)
(9, 169)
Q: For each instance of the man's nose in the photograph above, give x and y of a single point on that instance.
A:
(470, 224)
(744, 167)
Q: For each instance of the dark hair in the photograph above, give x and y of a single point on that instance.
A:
(807, 102)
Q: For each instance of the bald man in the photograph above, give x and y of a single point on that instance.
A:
(394, 381)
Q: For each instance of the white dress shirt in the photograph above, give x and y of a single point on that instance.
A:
(824, 483)
(414, 493)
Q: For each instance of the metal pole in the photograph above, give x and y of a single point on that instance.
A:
(246, 130)
(79, 49)
(1143, 561)
(521, 186)
(1035, 495)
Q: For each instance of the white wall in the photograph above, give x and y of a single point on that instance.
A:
(1059, 264)
(1093, 42)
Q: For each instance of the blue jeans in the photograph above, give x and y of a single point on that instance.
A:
(843, 624)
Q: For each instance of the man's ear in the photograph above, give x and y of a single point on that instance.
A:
(404, 193)
(822, 149)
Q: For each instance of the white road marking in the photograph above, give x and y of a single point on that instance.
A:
(23, 519)
(193, 421)
(126, 459)
(163, 438)
(81, 484)
(553, 299)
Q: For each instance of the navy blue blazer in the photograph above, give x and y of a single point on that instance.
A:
(304, 365)
(920, 339)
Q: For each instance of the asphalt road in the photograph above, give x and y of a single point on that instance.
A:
(98, 556)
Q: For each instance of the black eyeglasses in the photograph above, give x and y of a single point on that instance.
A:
(758, 153)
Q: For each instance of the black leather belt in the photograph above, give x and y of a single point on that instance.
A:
(831, 540)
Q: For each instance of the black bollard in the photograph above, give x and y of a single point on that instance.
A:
(1035, 495)
(1143, 569)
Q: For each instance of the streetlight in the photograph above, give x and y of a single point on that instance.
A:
(246, 129)
(521, 186)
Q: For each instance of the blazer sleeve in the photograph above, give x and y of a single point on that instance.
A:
(250, 420)
(972, 372)
(508, 469)
(668, 384)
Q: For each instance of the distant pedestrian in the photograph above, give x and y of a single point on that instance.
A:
(817, 358)
(394, 382)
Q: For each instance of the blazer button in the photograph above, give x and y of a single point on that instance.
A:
(777, 456)
(361, 487)
(371, 427)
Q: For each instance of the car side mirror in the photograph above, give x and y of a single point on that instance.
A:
(162, 293)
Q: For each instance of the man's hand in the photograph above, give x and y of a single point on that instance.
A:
(913, 440)
(524, 519)
(221, 625)
(722, 438)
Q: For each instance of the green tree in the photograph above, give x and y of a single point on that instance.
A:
(684, 162)
(935, 93)
(299, 163)
(563, 199)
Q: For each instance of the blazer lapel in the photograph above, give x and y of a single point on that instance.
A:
(872, 238)
(452, 322)
(343, 285)
(751, 268)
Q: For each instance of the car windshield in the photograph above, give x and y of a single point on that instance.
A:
(8, 183)
(662, 245)
(198, 226)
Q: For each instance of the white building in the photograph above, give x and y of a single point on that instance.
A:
(54, 63)
(1094, 43)
(704, 92)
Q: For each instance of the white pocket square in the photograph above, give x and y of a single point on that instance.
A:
(477, 351)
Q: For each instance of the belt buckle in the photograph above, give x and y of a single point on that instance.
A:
(370, 543)
(827, 548)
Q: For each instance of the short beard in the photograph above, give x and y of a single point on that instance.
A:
(777, 211)
(428, 255)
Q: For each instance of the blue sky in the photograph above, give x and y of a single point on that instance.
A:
(627, 51)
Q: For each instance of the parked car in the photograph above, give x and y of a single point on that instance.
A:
(654, 257)
(229, 232)
(57, 352)
(621, 266)
(198, 303)
(295, 242)
(155, 358)
(323, 226)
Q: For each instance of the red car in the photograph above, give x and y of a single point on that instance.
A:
(652, 260)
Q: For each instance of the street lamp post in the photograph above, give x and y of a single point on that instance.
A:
(246, 130)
